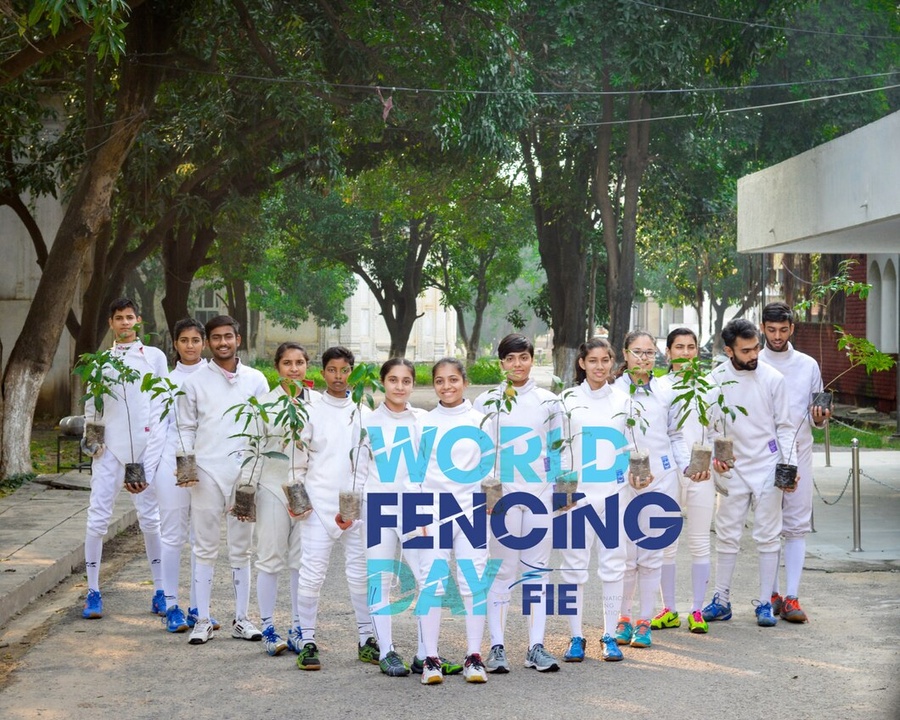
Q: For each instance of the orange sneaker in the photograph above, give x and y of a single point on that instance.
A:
(791, 610)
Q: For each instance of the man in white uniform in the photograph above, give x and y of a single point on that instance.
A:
(762, 438)
(126, 436)
(207, 430)
(803, 379)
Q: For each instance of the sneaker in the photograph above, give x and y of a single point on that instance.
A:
(308, 657)
(539, 659)
(473, 670)
(158, 603)
(193, 616)
(716, 610)
(243, 629)
(431, 669)
(496, 660)
(369, 651)
(777, 603)
(624, 631)
(392, 665)
(696, 623)
(764, 616)
(609, 649)
(447, 667)
(666, 619)
(202, 632)
(295, 640)
(275, 644)
(575, 652)
(175, 620)
(791, 610)
(641, 637)
(93, 606)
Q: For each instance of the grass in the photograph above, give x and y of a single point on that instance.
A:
(876, 438)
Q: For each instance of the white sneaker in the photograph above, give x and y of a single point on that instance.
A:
(243, 629)
(473, 670)
(202, 632)
(431, 671)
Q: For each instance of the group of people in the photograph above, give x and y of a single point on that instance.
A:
(404, 461)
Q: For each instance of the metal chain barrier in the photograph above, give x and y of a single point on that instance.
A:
(835, 502)
(883, 484)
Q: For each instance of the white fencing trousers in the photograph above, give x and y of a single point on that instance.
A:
(208, 505)
(277, 534)
(174, 504)
(315, 552)
(107, 481)
(733, 510)
(797, 506)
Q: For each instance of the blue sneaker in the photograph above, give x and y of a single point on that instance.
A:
(716, 610)
(176, 622)
(764, 616)
(624, 631)
(273, 642)
(295, 640)
(192, 618)
(158, 604)
(93, 606)
(609, 649)
(575, 653)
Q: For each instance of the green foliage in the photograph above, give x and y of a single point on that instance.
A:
(170, 392)
(364, 381)
(100, 373)
(423, 374)
(693, 390)
(485, 371)
(106, 18)
(291, 415)
(252, 416)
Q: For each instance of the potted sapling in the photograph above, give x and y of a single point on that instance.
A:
(291, 416)
(692, 392)
(253, 416)
(169, 392)
(101, 373)
(498, 404)
(638, 460)
(786, 472)
(363, 381)
(723, 446)
(566, 482)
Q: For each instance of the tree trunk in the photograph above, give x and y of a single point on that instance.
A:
(87, 214)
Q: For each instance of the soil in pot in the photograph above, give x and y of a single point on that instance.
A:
(245, 503)
(493, 491)
(723, 450)
(134, 475)
(566, 483)
(639, 465)
(823, 400)
(349, 504)
(701, 455)
(299, 505)
(185, 469)
(785, 476)
(94, 433)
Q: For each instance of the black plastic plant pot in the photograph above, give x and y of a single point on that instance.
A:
(299, 504)
(245, 503)
(785, 476)
(493, 492)
(134, 474)
(349, 504)
(701, 455)
(185, 469)
(823, 399)
(567, 484)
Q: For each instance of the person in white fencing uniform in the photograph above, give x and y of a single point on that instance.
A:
(208, 430)
(129, 417)
(277, 531)
(595, 434)
(537, 410)
(762, 438)
(652, 409)
(802, 379)
(327, 465)
(698, 500)
(174, 501)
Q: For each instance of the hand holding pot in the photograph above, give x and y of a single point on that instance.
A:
(346, 524)
(700, 476)
(136, 488)
(639, 483)
(819, 414)
(93, 450)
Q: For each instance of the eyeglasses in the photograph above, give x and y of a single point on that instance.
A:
(338, 371)
(643, 353)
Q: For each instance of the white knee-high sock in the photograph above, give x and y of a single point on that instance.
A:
(360, 602)
(699, 581)
(612, 601)
(93, 554)
(667, 586)
(170, 555)
(153, 547)
(295, 608)
(497, 609)
(429, 632)
(649, 582)
(381, 621)
(266, 591)
(474, 627)
(775, 585)
(192, 597)
(628, 584)
(575, 628)
(768, 569)
(203, 577)
(240, 578)
(725, 563)
(537, 620)
(307, 612)
(794, 555)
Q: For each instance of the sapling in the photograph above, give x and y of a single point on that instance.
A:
(254, 418)
(692, 392)
(498, 404)
(291, 416)
(566, 482)
(168, 393)
(640, 475)
(364, 380)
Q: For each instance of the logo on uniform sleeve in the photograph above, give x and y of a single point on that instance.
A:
(773, 446)
(665, 461)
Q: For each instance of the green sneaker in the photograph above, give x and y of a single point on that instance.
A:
(447, 667)
(369, 652)
(665, 619)
(392, 665)
(697, 624)
(308, 657)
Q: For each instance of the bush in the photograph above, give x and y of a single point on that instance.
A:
(485, 371)
(423, 374)
(267, 369)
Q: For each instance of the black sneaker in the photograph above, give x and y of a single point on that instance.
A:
(308, 657)
(447, 667)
